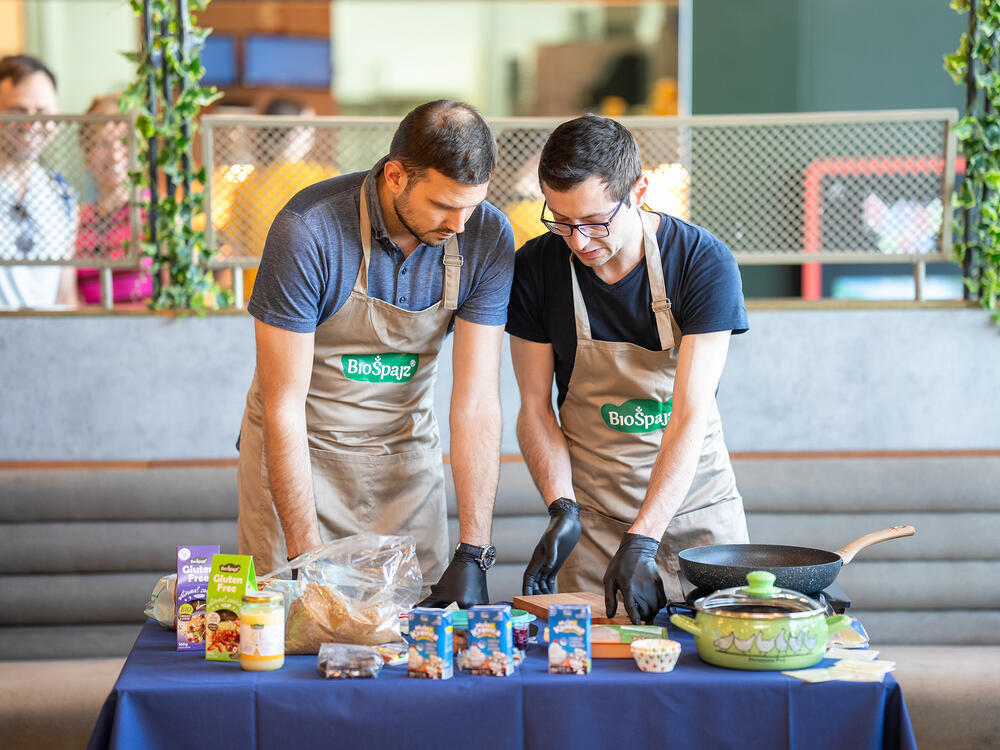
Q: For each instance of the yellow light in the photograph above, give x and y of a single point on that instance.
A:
(237, 173)
(669, 188)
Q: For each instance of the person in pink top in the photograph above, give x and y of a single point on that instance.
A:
(105, 230)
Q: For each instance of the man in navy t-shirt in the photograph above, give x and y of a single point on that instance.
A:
(630, 311)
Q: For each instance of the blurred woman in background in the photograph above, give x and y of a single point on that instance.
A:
(105, 228)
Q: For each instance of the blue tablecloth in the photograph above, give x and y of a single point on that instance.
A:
(166, 699)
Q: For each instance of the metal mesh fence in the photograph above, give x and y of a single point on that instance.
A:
(849, 187)
(64, 191)
(257, 165)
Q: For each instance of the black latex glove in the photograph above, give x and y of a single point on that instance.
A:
(633, 572)
(463, 581)
(553, 548)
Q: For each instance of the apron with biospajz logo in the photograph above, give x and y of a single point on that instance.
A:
(617, 404)
(373, 437)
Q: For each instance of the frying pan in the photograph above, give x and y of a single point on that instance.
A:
(809, 571)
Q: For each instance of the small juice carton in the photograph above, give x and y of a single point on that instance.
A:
(491, 640)
(569, 639)
(430, 638)
(193, 567)
(231, 577)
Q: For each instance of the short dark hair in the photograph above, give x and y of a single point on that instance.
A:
(284, 106)
(19, 67)
(449, 136)
(587, 146)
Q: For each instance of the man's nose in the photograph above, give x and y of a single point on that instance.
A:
(577, 241)
(455, 221)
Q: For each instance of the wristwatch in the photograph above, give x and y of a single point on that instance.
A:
(485, 556)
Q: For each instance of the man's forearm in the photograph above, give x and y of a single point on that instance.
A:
(546, 453)
(290, 474)
(671, 478)
(475, 467)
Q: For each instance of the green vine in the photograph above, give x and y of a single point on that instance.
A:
(976, 65)
(167, 96)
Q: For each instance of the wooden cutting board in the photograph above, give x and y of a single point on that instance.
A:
(538, 605)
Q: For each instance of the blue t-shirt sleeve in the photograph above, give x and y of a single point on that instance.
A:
(487, 301)
(288, 290)
(525, 312)
(713, 291)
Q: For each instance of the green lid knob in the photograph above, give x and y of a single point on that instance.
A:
(761, 584)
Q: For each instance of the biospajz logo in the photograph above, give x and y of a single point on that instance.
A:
(638, 415)
(380, 368)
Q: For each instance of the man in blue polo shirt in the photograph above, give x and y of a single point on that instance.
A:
(631, 312)
(361, 278)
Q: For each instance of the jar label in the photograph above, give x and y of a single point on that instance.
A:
(259, 641)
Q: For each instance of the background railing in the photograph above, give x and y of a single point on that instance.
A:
(854, 187)
(803, 189)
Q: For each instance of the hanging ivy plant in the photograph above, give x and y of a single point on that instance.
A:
(975, 64)
(167, 96)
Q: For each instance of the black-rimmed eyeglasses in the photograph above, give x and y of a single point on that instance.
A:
(593, 230)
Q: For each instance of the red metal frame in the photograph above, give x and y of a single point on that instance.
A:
(812, 273)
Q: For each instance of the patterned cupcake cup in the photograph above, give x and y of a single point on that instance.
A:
(655, 654)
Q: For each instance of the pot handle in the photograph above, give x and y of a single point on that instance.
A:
(836, 623)
(686, 623)
(674, 607)
(848, 551)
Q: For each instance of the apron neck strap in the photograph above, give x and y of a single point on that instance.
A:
(452, 259)
(657, 288)
(361, 283)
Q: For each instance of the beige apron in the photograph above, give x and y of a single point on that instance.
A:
(373, 435)
(616, 406)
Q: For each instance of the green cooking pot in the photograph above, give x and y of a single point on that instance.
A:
(760, 627)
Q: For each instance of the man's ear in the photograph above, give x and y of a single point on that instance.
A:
(639, 190)
(395, 177)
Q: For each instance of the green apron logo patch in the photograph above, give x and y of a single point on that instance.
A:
(380, 368)
(637, 415)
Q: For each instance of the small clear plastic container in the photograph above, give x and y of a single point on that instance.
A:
(347, 661)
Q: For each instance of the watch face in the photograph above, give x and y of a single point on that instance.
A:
(489, 556)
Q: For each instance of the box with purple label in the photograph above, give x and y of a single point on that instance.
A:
(430, 636)
(491, 640)
(193, 567)
(569, 638)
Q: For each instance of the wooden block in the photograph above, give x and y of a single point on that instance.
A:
(538, 605)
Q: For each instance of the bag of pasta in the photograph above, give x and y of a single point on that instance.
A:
(350, 590)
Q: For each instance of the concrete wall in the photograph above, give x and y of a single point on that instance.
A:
(142, 387)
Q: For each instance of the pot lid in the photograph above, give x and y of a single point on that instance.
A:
(759, 599)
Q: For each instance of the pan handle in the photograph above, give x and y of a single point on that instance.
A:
(848, 551)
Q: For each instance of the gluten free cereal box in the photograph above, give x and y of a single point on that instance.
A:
(491, 640)
(231, 577)
(430, 636)
(569, 638)
(194, 565)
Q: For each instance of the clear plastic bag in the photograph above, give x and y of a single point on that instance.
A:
(350, 590)
(348, 661)
(161, 605)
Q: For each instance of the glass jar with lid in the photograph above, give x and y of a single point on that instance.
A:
(262, 631)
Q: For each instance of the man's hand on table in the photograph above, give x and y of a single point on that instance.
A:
(553, 548)
(632, 571)
(463, 581)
